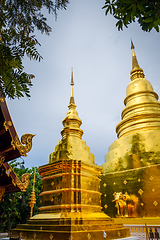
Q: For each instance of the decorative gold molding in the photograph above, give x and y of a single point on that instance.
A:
(51, 236)
(140, 191)
(7, 125)
(89, 236)
(34, 235)
(125, 182)
(8, 171)
(155, 203)
(24, 182)
(1, 160)
(1, 99)
(2, 191)
(25, 145)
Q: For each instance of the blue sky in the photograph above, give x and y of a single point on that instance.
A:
(87, 40)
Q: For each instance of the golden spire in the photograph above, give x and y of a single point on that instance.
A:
(32, 198)
(72, 84)
(136, 71)
(142, 109)
(134, 59)
(71, 146)
(72, 122)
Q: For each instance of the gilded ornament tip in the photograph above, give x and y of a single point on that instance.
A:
(132, 45)
(72, 83)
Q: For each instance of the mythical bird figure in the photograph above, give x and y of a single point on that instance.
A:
(25, 145)
(24, 182)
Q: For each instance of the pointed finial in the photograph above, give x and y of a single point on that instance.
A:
(132, 45)
(34, 179)
(134, 58)
(136, 71)
(72, 84)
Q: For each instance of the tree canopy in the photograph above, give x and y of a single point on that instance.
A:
(18, 21)
(146, 12)
(14, 207)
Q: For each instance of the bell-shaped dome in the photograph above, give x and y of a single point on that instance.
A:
(142, 109)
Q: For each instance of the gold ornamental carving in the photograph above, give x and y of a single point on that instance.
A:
(34, 235)
(125, 182)
(1, 160)
(155, 203)
(24, 182)
(51, 237)
(52, 183)
(2, 191)
(7, 125)
(89, 236)
(8, 171)
(1, 100)
(140, 191)
(25, 145)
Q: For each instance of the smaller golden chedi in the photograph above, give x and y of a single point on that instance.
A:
(70, 198)
(32, 198)
(132, 165)
(71, 146)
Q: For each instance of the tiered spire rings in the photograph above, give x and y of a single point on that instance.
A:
(72, 122)
(32, 198)
(142, 111)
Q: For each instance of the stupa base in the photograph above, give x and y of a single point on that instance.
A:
(41, 228)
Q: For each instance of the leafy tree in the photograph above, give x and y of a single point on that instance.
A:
(14, 207)
(146, 12)
(18, 21)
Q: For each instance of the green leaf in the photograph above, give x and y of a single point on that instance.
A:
(140, 6)
(148, 20)
(107, 10)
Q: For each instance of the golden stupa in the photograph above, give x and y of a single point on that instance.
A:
(132, 165)
(70, 198)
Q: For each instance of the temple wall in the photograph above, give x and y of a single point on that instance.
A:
(140, 192)
(70, 184)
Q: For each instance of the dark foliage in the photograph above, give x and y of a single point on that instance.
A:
(146, 12)
(14, 207)
(18, 21)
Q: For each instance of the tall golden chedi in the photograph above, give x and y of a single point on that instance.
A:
(71, 199)
(132, 165)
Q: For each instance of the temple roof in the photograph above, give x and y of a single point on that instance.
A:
(11, 148)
